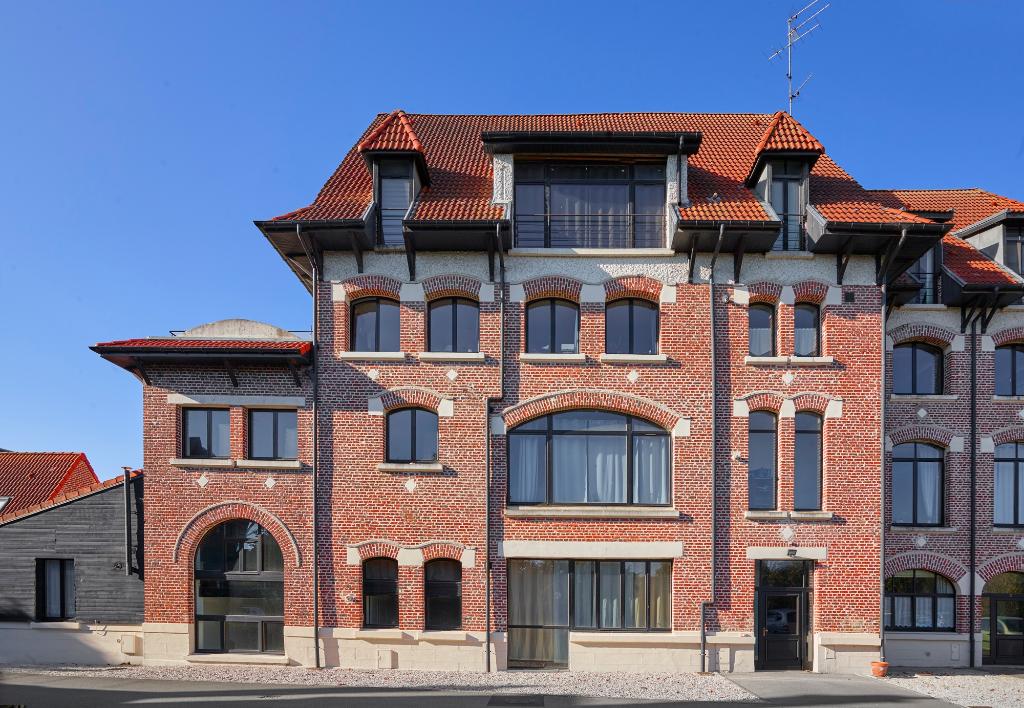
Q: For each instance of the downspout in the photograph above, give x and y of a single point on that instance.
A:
(881, 457)
(974, 479)
(315, 267)
(127, 522)
(680, 198)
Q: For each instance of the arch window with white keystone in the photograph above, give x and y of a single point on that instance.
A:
(806, 329)
(589, 457)
(380, 593)
(761, 320)
(375, 325)
(442, 594)
(762, 444)
(453, 325)
(552, 327)
(916, 369)
(631, 327)
(411, 436)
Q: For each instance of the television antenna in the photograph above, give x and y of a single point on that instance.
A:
(794, 33)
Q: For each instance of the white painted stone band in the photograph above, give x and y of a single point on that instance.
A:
(180, 399)
(784, 553)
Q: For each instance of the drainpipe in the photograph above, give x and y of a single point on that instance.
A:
(881, 458)
(974, 479)
(680, 197)
(315, 266)
(127, 522)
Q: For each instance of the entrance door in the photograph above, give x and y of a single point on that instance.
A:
(782, 616)
(1002, 620)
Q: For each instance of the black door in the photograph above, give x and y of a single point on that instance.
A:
(1003, 629)
(782, 615)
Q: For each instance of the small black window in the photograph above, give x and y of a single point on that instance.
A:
(375, 325)
(631, 327)
(454, 325)
(916, 369)
(806, 330)
(552, 327)
(762, 330)
(761, 446)
(807, 463)
(380, 593)
(1014, 248)
(1010, 370)
(205, 432)
(412, 435)
(1008, 490)
(55, 589)
(919, 600)
(442, 594)
(273, 435)
(395, 197)
(917, 485)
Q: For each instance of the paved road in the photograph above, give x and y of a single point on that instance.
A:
(782, 689)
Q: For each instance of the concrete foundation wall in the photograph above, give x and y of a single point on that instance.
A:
(28, 643)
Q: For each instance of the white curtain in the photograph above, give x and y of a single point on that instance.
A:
(538, 594)
(589, 469)
(1003, 493)
(610, 609)
(929, 475)
(53, 588)
(526, 468)
(923, 612)
(650, 470)
(901, 611)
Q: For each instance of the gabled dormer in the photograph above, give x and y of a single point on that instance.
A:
(396, 159)
(780, 176)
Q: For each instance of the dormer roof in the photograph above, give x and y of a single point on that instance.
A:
(394, 133)
(784, 137)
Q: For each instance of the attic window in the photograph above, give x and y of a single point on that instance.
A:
(786, 194)
(1014, 249)
(3, 502)
(395, 196)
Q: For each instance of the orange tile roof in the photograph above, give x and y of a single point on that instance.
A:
(30, 478)
(393, 133)
(298, 346)
(67, 496)
(787, 134)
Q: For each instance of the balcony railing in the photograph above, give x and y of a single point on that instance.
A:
(929, 292)
(590, 230)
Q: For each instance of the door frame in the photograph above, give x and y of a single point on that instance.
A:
(993, 605)
(803, 595)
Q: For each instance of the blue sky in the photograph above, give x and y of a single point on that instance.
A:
(138, 142)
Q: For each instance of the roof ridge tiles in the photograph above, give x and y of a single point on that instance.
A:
(384, 137)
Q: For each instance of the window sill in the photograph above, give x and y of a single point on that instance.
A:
(924, 307)
(765, 360)
(448, 636)
(371, 356)
(410, 467)
(551, 358)
(766, 515)
(923, 397)
(270, 464)
(811, 360)
(592, 512)
(790, 360)
(634, 358)
(1008, 399)
(592, 252)
(381, 635)
(769, 515)
(789, 256)
(65, 625)
(923, 529)
(452, 356)
(1009, 530)
(201, 462)
(811, 515)
(230, 658)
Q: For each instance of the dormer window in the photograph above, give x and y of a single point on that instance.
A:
(786, 193)
(926, 273)
(1013, 249)
(395, 196)
(589, 205)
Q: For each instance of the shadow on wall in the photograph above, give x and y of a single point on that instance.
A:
(24, 644)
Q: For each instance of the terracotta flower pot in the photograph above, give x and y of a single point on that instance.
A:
(880, 669)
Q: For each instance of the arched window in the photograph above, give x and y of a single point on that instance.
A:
(552, 327)
(380, 593)
(375, 325)
(917, 484)
(806, 330)
(239, 580)
(1008, 488)
(631, 327)
(1002, 619)
(412, 435)
(1010, 370)
(453, 325)
(762, 330)
(589, 457)
(807, 463)
(442, 594)
(761, 446)
(919, 600)
(916, 369)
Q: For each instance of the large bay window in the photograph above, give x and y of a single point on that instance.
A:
(919, 600)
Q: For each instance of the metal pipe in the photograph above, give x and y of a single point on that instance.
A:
(881, 457)
(974, 479)
(127, 522)
(315, 265)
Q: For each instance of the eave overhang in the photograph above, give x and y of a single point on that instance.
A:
(592, 143)
(1008, 216)
(702, 236)
(957, 293)
(130, 357)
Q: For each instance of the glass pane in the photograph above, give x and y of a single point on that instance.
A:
(645, 328)
(440, 326)
(650, 469)
(241, 636)
(538, 592)
(946, 609)
(527, 465)
(902, 370)
(364, 326)
(221, 443)
(589, 215)
(593, 421)
(197, 441)
(761, 334)
(927, 375)
(635, 600)
(211, 551)
(467, 326)
(69, 587)
(208, 635)
(661, 595)
(805, 342)
(380, 569)
(761, 468)
(902, 492)
(400, 435)
(52, 593)
(616, 327)
(782, 574)
(396, 195)
(1004, 371)
(239, 597)
(272, 559)
(1018, 372)
(444, 607)
(583, 596)
(443, 570)
(566, 328)
(1006, 584)
(929, 490)
(261, 434)
(943, 586)
(1010, 620)
(530, 214)
(288, 435)
(649, 219)
(807, 463)
(589, 469)
(538, 648)
(610, 595)
(426, 436)
(380, 608)
(923, 612)
(1003, 493)
(651, 172)
(388, 312)
(902, 617)
(781, 614)
(902, 582)
(538, 327)
(569, 469)
(273, 636)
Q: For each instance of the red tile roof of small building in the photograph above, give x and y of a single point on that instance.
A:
(30, 478)
(298, 346)
(67, 496)
(393, 133)
(787, 134)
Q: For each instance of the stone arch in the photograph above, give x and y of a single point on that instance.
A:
(923, 332)
(1007, 435)
(771, 401)
(1009, 335)
(197, 527)
(552, 286)
(952, 570)
(1007, 563)
(811, 403)
(411, 397)
(638, 286)
(442, 549)
(764, 292)
(361, 286)
(922, 433)
(810, 291)
(592, 398)
(438, 286)
(377, 548)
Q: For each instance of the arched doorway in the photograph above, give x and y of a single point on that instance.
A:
(239, 586)
(1002, 620)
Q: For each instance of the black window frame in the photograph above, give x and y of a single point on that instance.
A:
(67, 567)
(412, 432)
(819, 432)
(816, 309)
(890, 597)
(1013, 239)
(757, 415)
(782, 171)
(916, 459)
(1018, 481)
(1016, 387)
(376, 332)
(436, 588)
(209, 432)
(770, 309)
(453, 303)
(389, 585)
(928, 277)
(940, 368)
(631, 303)
(632, 181)
(383, 166)
(549, 433)
(552, 303)
(276, 414)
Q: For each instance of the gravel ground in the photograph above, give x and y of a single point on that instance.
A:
(679, 687)
(965, 687)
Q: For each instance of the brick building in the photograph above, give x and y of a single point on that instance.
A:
(599, 392)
